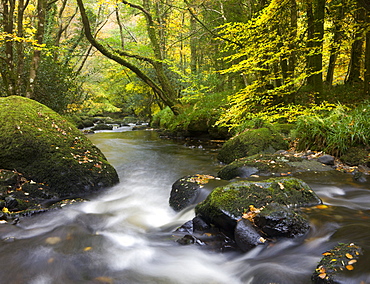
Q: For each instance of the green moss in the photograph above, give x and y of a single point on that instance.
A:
(251, 142)
(49, 149)
(236, 197)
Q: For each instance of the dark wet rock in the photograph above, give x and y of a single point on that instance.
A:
(326, 159)
(48, 149)
(246, 235)
(188, 190)
(198, 232)
(251, 142)
(22, 197)
(200, 225)
(186, 227)
(281, 164)
(336, 264)
(278, 221)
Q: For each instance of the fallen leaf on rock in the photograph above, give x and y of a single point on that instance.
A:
(322, 275)
(350, 256)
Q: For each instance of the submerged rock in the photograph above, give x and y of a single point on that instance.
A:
(48, 149)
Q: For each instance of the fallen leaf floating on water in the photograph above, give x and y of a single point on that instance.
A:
(322, 206)
(53, 240)
(87, 248)
(352, 261)
(349, 267)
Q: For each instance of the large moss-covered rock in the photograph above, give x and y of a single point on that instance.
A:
(46, 148)
(225, 205)
(252, 142)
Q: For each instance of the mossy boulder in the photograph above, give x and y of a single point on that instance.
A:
(270, 207)
(251, 142)
(233, 200)
(46, 148)
(271, 165)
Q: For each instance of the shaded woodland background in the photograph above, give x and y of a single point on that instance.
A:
(226, 63)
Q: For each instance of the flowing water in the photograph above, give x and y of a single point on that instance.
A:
(123, 235)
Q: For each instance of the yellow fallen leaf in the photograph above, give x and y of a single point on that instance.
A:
(322, 206)
(334, 259)
(5, 210)
(322, 275)
(350, 256)
(51, 260)
(87, 248)
(352, 261)
(52, 240)
(327, 253)
(349, 267)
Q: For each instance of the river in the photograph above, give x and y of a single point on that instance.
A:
(123, 235)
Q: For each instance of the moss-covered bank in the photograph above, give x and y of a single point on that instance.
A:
(46, 148)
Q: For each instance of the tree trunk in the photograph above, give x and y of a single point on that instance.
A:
(354, 68)
(193, 47)
(315, 17)
(367, 60)
(8, 70)
(41, 18)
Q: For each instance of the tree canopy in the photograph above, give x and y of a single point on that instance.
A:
(140, 56)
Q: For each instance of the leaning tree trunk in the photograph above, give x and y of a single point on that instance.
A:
(41, 17)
